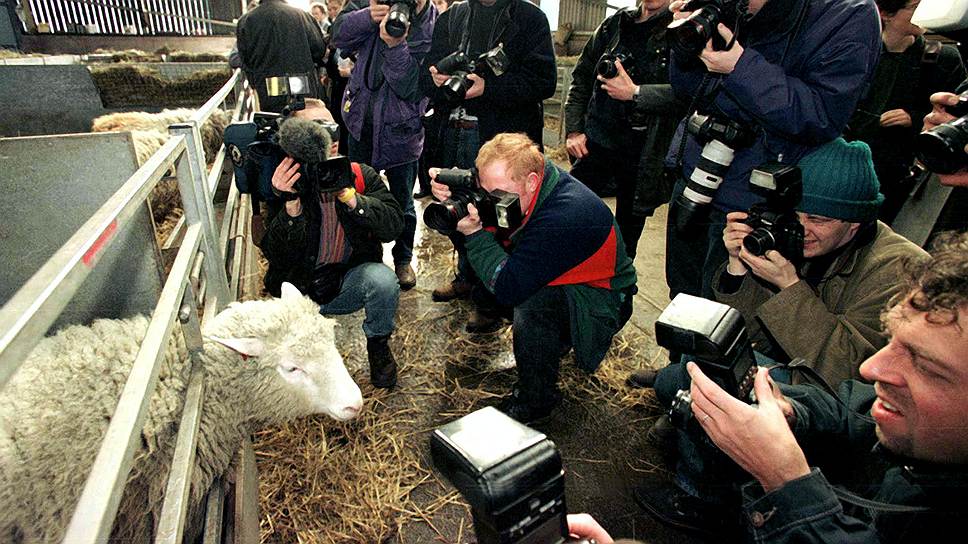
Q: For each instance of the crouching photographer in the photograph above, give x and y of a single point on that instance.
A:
(913, 415)
(327, 242)
(811, 253)
(572, 295)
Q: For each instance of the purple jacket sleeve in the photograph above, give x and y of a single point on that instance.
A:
(355, 28)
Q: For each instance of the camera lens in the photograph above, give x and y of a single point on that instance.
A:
(607, 69)
(398, 19)
(455, 88)
(942, 149)
(759, 241)
(443, 216)
(690, 35)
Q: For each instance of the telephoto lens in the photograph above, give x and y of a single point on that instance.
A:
(942, 149)
(690, 35)
(398, 19)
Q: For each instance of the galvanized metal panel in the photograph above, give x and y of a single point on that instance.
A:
(51, 186)
(47, 100)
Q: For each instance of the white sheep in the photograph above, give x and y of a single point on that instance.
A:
(265, 362)
(211, 131)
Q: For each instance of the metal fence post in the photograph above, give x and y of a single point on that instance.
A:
(197, 202)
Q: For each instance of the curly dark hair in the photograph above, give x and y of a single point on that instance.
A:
(939, 285)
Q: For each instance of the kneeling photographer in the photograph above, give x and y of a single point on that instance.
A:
(327, 241)
(576, 294)
(809, 274)
(913, 412)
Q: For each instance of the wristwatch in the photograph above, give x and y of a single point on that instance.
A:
(635, 93)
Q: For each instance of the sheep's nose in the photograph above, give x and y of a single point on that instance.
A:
(350, 412)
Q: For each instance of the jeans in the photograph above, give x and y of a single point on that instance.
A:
(601, 165)
(541, 335)
(401, 179)
(692, 257)
(373, 287)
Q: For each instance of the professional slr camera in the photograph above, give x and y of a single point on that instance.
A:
(715, 336)
(459, 66)
(399, 16)
(689, 35)
(774, 221)
(720, 138)
(510, 475)
(942, 149)
(606, 65)
(498, 209)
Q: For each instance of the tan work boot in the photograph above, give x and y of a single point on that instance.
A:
(453, 290)
(406, 277)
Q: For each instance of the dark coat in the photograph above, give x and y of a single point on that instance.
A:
(795, 84)
(276, 39)
(512, 101)
(291, 244)
(654, 113)
(806, 510)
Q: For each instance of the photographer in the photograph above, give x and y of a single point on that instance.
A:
(382, 105)
(510, 102)
(847, 274)
(276, 39)
(575, 295)
(327, 242)
(909, 70)
(620, 122)
(914, 412)
(786, 84)
(952, 216)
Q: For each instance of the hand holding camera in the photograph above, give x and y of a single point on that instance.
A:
(721, 61)
(283, 181)
(771, 266)
(616, 81)
(757, 437)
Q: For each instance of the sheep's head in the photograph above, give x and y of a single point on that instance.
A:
(293, 347)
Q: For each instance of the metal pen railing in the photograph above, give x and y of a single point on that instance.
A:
(31, 311)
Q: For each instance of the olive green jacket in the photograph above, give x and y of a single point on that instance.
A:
(836, 326)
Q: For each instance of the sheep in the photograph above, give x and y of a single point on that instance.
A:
(265, 362)
(149, 131)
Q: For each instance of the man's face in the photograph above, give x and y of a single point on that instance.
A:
(318, 13)
(333, 9)
(920, 378)
(495, 176)
(899, 24)
(821, 235)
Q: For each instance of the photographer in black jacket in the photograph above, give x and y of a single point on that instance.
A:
(510, 102)
(328, 241)
(621, 113)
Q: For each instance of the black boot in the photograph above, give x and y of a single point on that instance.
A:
(383, 367)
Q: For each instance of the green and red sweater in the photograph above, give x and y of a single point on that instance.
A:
(568, 238)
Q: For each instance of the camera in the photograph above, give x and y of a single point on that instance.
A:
(689, 35)
(720, 138)
(399, 16)
(510, 474)
(606, 65)
(942, 149)
(497, 209)
(328, 176)
(296, 87)
(459, 65)
(715, 336)
(774, 221)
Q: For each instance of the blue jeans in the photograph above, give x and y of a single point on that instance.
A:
(373, 287)
(459, 147)
(692, 257)
(401, 179)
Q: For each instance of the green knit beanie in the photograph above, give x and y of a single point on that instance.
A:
(839, 182)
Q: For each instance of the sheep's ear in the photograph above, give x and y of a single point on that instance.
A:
(248, 347)
(289, 291)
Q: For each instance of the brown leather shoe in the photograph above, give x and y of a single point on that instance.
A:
(453, 290)
(406, 276)
(383, 366)
(482, 323)
(642, 378)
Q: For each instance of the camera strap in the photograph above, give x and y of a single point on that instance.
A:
(852, 498)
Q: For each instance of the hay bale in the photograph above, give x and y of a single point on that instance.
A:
(126, 85)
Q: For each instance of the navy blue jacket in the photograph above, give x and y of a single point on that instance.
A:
(797, 83)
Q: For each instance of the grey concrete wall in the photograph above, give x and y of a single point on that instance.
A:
(47, 100)
(51, 186)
